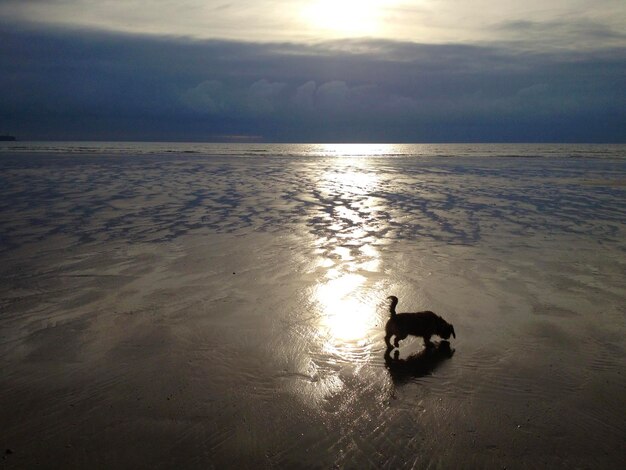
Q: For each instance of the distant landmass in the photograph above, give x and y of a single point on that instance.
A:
(7, 138)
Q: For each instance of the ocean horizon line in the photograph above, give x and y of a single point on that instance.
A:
(305, 142)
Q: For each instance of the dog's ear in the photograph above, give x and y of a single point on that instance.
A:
(452, 328)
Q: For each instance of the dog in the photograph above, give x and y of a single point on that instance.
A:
(424, 324)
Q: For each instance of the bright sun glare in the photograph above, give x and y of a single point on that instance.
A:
(344, 293)
(346, 317)
(345, 17)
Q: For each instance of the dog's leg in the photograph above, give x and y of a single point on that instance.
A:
(427, 342)
(398, 339)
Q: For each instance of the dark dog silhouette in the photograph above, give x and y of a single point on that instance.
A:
(424, 324)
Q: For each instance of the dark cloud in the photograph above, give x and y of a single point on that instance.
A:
(86, 85)
(581, 31)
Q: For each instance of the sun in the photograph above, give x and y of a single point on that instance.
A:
(344, 17)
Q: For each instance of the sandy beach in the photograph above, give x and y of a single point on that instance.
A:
(224, 311)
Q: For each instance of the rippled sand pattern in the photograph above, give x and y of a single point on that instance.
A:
(210, 311)
(448, 200)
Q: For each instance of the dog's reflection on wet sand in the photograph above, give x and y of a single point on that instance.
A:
(417, 365)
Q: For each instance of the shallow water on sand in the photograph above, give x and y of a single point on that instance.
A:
(175, 305)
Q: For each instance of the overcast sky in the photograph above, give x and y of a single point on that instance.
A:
(336, 71)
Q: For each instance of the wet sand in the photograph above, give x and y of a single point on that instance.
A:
(228, 312)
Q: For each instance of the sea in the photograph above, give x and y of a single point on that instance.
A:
(207, 305)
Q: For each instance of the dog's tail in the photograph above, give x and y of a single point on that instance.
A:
(392, 305)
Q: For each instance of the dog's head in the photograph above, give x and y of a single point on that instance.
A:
(445, 329)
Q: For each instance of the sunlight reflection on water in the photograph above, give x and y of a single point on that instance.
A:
(345, 316)
(344, 294)
(357, 150)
